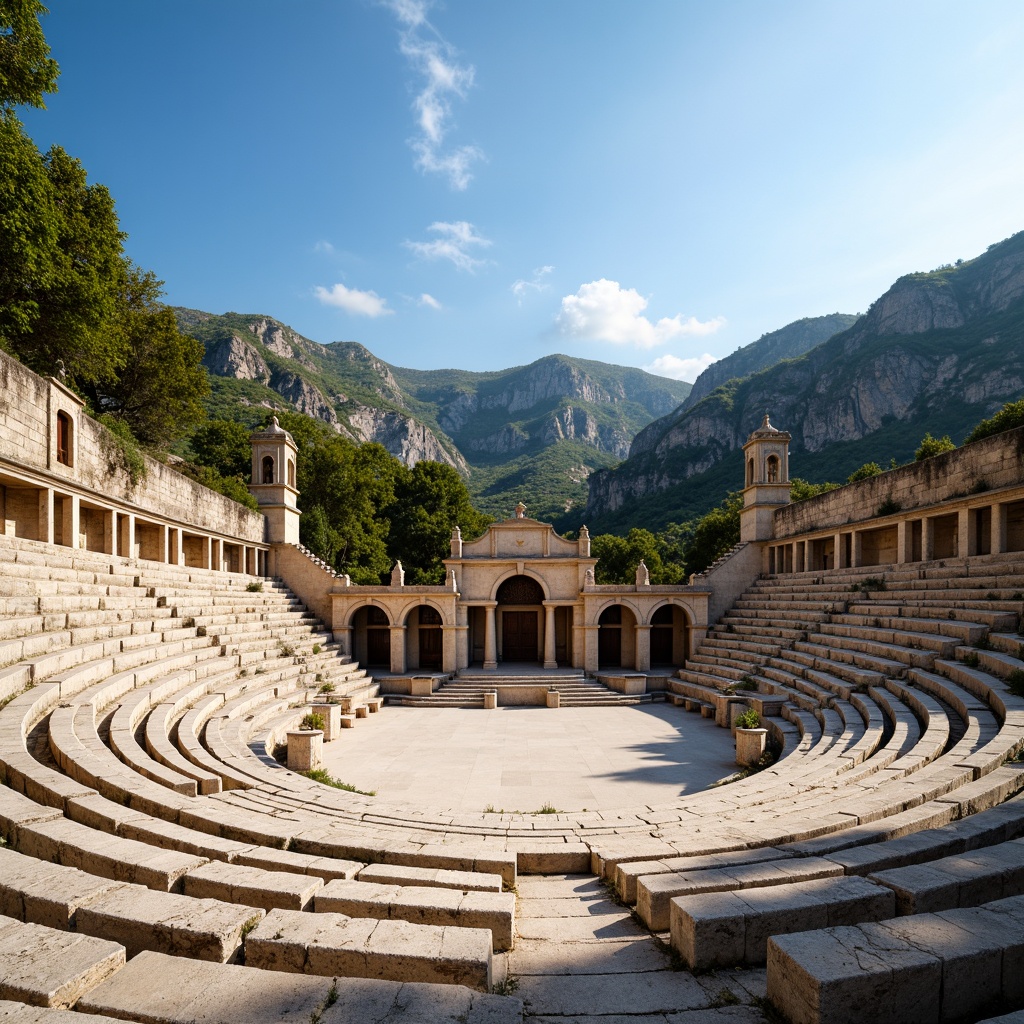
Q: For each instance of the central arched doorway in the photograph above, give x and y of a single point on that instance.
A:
(616, 638)
(520, 603)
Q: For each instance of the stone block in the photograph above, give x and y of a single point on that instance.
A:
(46, 967)
(424, 905)
(399, 874)
(490, 700)
(332, 720)
(305, 749)
(554, 699)
(141, 919)
(254, 887)
(333, 944)
(750, 746)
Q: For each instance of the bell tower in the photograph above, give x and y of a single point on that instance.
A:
(766, 480)
(273, 482)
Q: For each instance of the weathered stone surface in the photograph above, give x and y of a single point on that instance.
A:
(52, 968)
(236, 883)
(333, 944)
(424, 905)
(140, 919)
(398, 874)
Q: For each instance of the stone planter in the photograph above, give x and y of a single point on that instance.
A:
(750, 746)
(490, 699)
(421, 686)
(332, 719)
(554, 699)
(305, 749)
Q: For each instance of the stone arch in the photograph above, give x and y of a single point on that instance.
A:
(511, 574)
(267, 471)
(424, 636)
(291, 472)
(371, 635)
(616, 635)
(670, 623)
(750, 472)
(65, 439)
(772, 469)
(520, 617)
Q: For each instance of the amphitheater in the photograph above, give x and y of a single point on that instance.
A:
(160, 644)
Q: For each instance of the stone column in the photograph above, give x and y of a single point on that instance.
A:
(549, 636)
(490, 636)
(342, 636)
(903, 536)
(963, 533)
(927, 539)
(856, 549)
(450, 649)
(217, 555)
(207, 552)
(45, 523)
(109, 532)
(839, 558)
(126, 543)
(643, 649)
(590, 650)
(998, 545)
(398, 649)
(72, 520)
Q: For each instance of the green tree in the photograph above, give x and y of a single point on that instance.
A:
(868, 470)
(618, 558)
(431, 499)
(26, 69)
(224, 445)
(158, 391)
(931, 446)
(713, 534)
(800, 489)
(1011, 415)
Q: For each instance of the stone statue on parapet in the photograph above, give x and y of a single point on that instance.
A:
(398, 575)
(643, 577)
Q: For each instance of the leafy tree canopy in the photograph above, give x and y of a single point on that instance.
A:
(1011, 415)
(26, 69)
(933, 446)
(868, 470)
(224, 446)
(618, 558)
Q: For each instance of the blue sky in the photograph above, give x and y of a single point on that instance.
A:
(480, 184)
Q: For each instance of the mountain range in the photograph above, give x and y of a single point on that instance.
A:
(936, 353)
(533, 433)
(579, 440)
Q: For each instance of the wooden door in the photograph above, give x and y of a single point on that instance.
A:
(378, 647)
(430, 647)
(519, 636)
(609, 647)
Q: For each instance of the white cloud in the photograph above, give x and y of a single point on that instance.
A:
(535, 284)
(605, 311)
(680, 369)
(429, 301)
(445, 79)
(454, 242)
(324, 246)
(353, 301)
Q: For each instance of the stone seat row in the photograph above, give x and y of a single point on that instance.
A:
(50, 970)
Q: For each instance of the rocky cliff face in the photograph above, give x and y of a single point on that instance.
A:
(233, 356)
(403, 436)
(942, 348)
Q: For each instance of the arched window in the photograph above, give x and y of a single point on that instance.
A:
(750, 472)
(291, 473)
(268, 469)
(773, 469)
(64, 438)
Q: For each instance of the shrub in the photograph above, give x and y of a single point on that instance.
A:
(1015, 681)
(1011, 415)
(749, 719)
(316, 648)
(313, 720)
(932, 446)
(868, 470)
(889, 507)
(256, 587)
(327, 687)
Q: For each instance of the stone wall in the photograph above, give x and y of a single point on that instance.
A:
(994, 462)
(29, 406)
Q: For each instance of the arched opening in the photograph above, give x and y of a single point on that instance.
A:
(268, 469)
(65, 429)
(750, 472)
(616, 638)
(772, 469)
(520, 600)
(291, 472)
(372, 637)
(424, 638)
(668, 636)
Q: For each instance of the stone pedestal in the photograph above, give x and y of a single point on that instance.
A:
(332, 719)
(554, 699)
(490, 699)
(421, 686)
(750, 746)
(305, 749)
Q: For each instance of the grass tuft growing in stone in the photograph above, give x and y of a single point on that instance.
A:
(256, 587)
(325, 778)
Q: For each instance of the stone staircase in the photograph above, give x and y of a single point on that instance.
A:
(466, 689)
